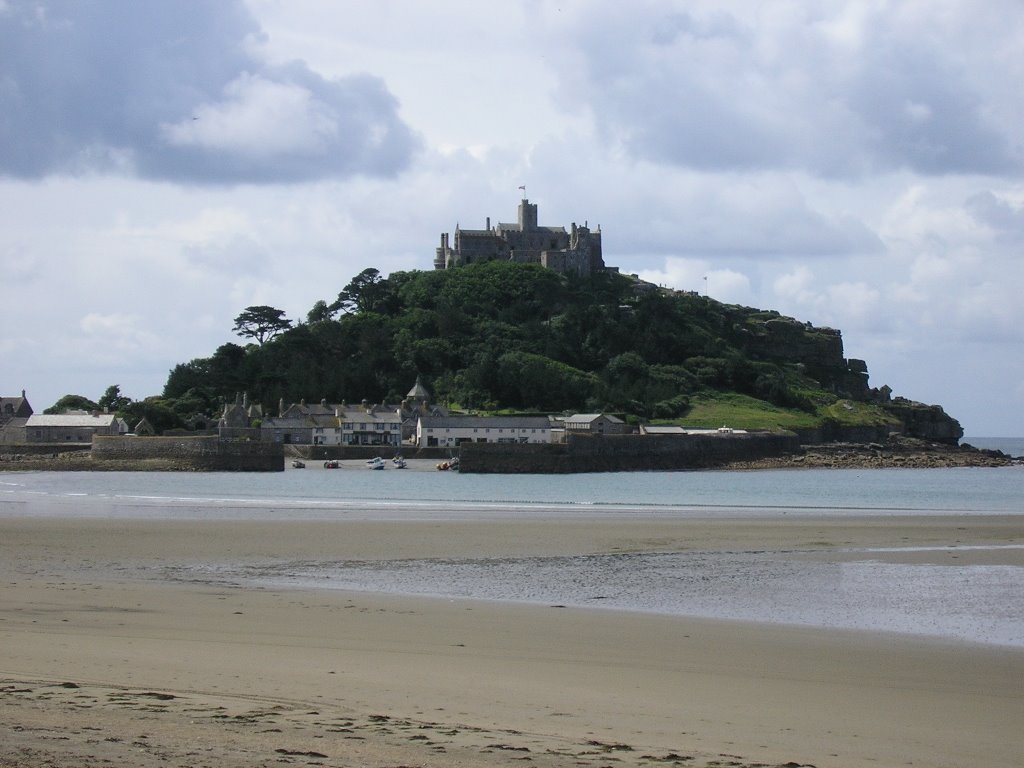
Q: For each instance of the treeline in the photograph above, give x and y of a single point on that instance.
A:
(495, 336)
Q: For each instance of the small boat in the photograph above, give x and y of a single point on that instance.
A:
(451, 464)
(331, 464)
(375, 463)
(399, 462)
(299, 464)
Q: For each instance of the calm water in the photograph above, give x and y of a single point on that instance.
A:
(964, 602)
(318, 494)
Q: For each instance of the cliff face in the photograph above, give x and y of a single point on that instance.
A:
(819, 352)
(928, 422)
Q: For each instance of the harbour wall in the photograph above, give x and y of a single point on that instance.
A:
(205, 453)
(625, 453)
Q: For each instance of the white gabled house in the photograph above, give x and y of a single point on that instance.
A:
(445, 431)
(370, 425)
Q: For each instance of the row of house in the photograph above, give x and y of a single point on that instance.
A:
(19, 424)
(414, 422)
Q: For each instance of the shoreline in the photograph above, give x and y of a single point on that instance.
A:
(108, 658)
(899, 454)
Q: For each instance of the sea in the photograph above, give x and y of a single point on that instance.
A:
(869, 590)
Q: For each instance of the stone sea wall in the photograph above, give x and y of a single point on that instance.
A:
(206, 453)
(625, 453)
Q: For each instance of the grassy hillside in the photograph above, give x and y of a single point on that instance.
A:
(503, 336)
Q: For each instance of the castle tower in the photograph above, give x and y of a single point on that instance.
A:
(527, 215)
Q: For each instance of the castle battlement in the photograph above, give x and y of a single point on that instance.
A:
(576, 251)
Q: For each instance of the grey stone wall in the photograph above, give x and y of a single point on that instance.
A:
(624, 453)
(203, 453)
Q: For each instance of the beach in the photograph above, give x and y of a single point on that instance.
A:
(107, 658)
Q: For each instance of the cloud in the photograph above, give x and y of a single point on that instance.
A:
(836, 89)
(1001, 214)
(699, 276)
(117, 331)
(178, 91)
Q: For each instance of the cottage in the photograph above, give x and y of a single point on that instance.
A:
(596, 424)
(14, 408)
(76, 427)
(371, 425)
(14, 413)
(446, 431)
(240, 420)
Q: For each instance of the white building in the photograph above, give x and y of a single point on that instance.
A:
(370, 425)
(445, 431)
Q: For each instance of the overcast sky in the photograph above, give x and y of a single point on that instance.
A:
(858, 165)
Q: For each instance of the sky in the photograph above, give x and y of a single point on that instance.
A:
(857, 165)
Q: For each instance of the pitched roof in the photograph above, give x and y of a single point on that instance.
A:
(485, 422)
(367, 415)
(418, 391)
(15, 406)
(70, 420)
(589, 417)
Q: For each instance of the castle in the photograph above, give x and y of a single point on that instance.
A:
(577, 251)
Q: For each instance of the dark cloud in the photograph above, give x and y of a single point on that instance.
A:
(175, 91)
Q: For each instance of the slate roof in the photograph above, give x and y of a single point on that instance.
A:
(70, 420)
(485, 422)
(15, 406)
(589, 417)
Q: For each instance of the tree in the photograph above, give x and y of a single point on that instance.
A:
(320, 313)
(261, 323)
(112, 400)
(362, 294)
(72, 403)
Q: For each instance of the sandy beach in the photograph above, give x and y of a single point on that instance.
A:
(105, 660)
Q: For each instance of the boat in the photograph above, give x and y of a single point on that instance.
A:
(399, 462)
(451, 464)
(331, 464)
(299, 464)
(375, 463)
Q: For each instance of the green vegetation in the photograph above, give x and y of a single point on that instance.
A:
(503, 336)
(717, 409)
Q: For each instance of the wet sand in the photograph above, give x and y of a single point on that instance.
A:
(105, 659)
